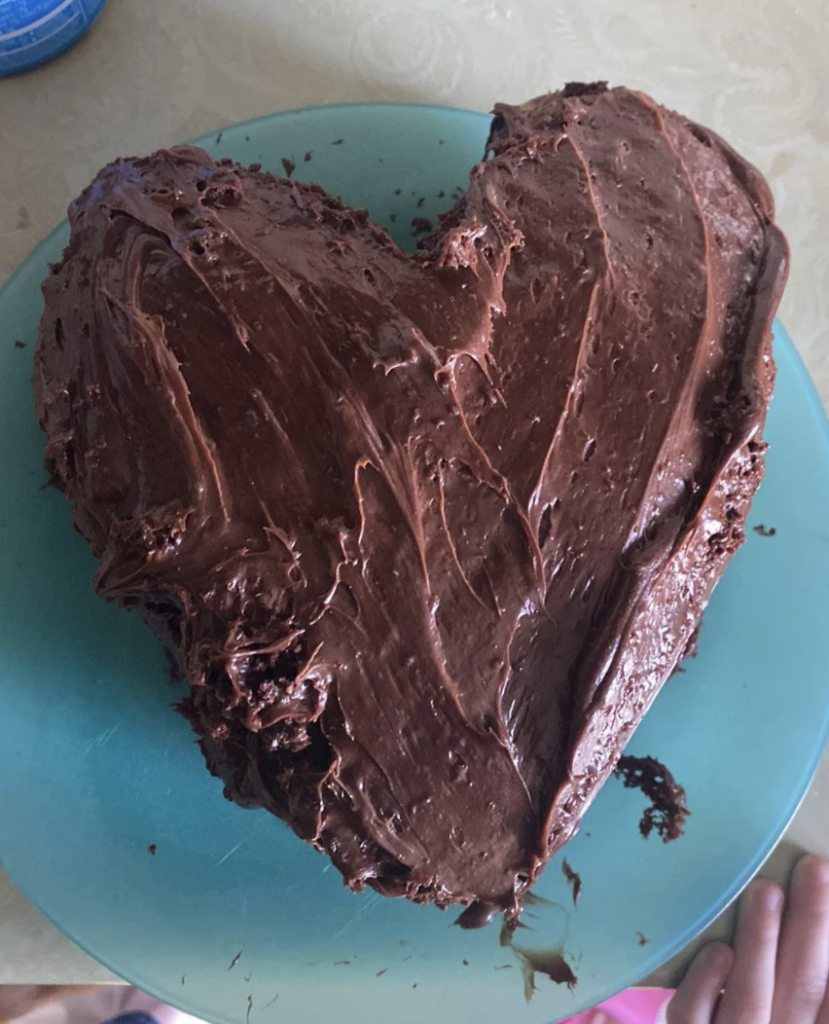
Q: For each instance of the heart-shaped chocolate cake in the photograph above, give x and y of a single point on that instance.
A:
(427, 533)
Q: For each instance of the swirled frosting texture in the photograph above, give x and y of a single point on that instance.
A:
(427, 532)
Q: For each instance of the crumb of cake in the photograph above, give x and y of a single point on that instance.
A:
(573, 879)
(668, 810)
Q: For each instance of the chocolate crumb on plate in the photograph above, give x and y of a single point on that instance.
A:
(544, 961)
(573, 878)
(421, 226)
(668, 809)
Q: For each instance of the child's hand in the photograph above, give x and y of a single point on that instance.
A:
(771, 976)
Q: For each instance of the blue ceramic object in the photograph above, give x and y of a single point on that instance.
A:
(110, 822)
(34, 31)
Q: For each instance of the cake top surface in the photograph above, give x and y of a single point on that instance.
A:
(414, 522)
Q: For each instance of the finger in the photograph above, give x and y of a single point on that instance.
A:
(803, 957)
(698, 992)
(750, 989)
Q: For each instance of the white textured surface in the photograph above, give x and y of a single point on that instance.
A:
(155, 72)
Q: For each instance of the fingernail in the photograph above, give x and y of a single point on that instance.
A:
(766, 894)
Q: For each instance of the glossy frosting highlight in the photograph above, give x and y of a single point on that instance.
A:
(426, 532)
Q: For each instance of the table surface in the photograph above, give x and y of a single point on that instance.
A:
(160, 71)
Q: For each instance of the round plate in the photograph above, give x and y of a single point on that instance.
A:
(111, 823)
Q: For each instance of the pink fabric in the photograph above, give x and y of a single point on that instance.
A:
(633, 1006)
(103, 1004)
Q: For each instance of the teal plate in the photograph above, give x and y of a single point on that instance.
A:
(234, 919)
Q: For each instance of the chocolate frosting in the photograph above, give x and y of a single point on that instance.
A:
(426, 532)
